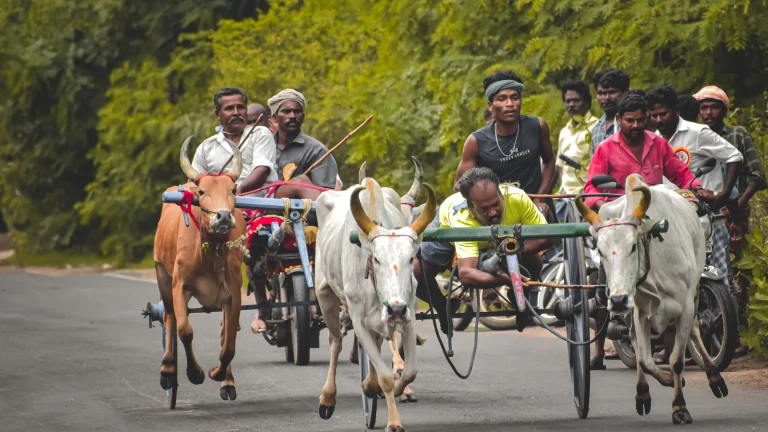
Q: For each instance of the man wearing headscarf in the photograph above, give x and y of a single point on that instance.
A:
(516, 147)
(294, 146)
(713, 108)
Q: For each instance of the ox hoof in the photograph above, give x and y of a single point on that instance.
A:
(167, 381)
(228, 393)
(393, 428)
(196, 377)
(326, 411)
(718, 386)
(681, 417)
(643, 404)
(410, 397)
(217, 374)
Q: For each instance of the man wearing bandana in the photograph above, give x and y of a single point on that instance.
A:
(516, 147)
(295, 147)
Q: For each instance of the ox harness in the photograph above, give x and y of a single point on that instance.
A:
(185, 204)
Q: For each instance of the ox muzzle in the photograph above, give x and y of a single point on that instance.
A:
(620, 303)
(396, 311)
(222, 222)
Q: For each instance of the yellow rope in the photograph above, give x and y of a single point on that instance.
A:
(310, 232)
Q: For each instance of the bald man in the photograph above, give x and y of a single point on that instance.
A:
(254, 111)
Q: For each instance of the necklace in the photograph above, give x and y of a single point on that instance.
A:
(514, 146)
(230, 133)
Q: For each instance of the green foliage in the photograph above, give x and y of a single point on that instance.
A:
(100, 95)
(57, 59)
(755, 263)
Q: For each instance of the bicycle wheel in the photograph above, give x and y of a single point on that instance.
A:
(547, 298)
(461, 323)
(578, 328)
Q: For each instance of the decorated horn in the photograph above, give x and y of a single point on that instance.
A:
(589, 215)
(645, 201)
(237, 161)
(186, 165)
(361, 174)
(425, 218)
(418, 179)
(363, 221)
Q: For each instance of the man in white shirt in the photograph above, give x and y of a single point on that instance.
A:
(213, 154)
(694, 143)
(699, 140)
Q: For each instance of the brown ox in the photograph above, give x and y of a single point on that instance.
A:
(198, 263)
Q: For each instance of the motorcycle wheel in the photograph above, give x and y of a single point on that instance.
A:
(718, 324)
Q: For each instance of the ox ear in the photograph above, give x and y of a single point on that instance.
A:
(646, 226)
(593, 231)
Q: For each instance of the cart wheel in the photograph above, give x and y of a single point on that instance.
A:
(300, 321)
(174, 388)
(369, 404)
(578, 328)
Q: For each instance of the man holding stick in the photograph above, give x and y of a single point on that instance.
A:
(295, 148)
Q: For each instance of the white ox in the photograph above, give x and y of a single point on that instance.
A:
(376, 309)
(668, 295)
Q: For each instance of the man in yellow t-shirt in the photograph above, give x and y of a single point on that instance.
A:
(480, 202)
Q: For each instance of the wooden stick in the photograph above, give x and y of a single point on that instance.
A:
(319, 161)
(242, 141)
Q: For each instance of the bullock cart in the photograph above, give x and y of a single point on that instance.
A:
(574, 310)
(296, 321)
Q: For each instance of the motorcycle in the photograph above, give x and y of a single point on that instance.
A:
(716, 312)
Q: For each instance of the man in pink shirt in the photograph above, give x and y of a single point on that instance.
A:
(633, 150)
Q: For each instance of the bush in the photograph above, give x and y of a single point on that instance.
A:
(755, 261)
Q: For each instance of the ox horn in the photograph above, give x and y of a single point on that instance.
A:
(237, 162)
(361, 174)
(645, 202)
(589, 215)
(186, 165)
(426, 216)
(418, 180)
(363, 220)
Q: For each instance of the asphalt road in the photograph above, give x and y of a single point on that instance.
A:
(77, 356)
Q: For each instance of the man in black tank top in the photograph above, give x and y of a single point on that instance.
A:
(516, 147)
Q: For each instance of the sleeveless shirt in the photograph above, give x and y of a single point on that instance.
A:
(520, 164)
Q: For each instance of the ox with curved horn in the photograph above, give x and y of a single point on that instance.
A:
(361, 174)
(645, 200)
(365, 223)
(590, 216)
(418, 179)
(192, 174)
(430, 209)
